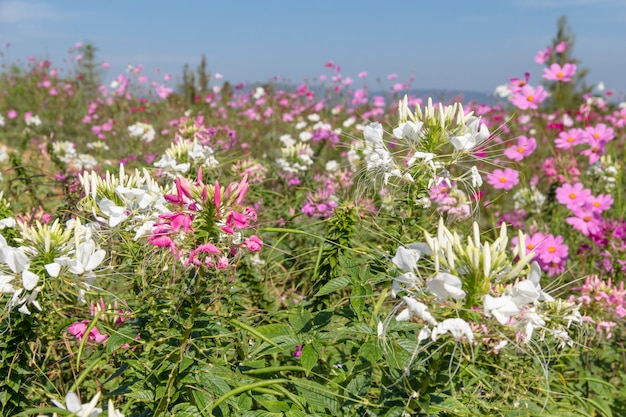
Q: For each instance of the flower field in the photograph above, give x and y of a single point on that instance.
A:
(203, 248)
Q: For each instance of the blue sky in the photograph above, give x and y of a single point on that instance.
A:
(469, 45)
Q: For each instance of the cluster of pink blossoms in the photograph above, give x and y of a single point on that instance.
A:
(551, 253)
(323, 202)
(586, 208)
(449, 201)
(222, 240)
(78, 329)
(608, 297)
(595, 137)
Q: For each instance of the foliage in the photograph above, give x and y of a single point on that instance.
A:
(261, 251)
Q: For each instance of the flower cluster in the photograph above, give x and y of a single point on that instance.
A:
(551, 251)
(586, 208)
(204, 224)
(596, 294)
(457, 286)
(435, 155)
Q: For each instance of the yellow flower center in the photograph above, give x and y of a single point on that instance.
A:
(530, 98)
(559, 74)
(521, 149)
(502, 179)
(572, 195)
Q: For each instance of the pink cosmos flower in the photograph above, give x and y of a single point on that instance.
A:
(600, 203)
(569, 138)
(524, 147)
(572, 196)
(362, 74)
(503, 179)
(601, 133)
(528, 97)
(561, 47)
(392, 76)
(518, 83)
(585, 221)
(11, 114)
(543, 55)
(558, 73)
(595, 149)
(552, 250)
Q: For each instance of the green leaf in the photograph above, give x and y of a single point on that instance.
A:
(309, 357)
(301, 320)
(333, 285)
(357, 300)
(317, 395)
(360, 385)
(450, 405)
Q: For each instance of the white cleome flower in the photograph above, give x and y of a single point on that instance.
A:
(458, 328)
(415, 309)
(502, 308)
(445, 286)
(73, 404)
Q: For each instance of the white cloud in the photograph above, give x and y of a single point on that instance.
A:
(18, 11)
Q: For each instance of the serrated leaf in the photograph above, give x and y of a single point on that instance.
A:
(272, 330)
(333, 285)
(451, 405)
(309, 357)
(357, 300)
(301, 320)
(120, 337)
(360, 385)
(317, 395)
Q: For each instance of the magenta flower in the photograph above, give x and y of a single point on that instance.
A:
(600, 203)
(569, 138)
(572, 196)
(561, 47)
(524, 147)
(79, 328)
(595, 149)
(558, 73)
(12, 114)
(601, 132)
(528, 97)
(253, 243)
(552, 250)
(585, 221)
(543, 55)
(503, 179)
(518, 83)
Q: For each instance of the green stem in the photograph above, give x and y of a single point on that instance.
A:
(244, 388)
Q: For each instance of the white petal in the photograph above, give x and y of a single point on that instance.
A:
(29, 280)
(95, 260)
(53, 269)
